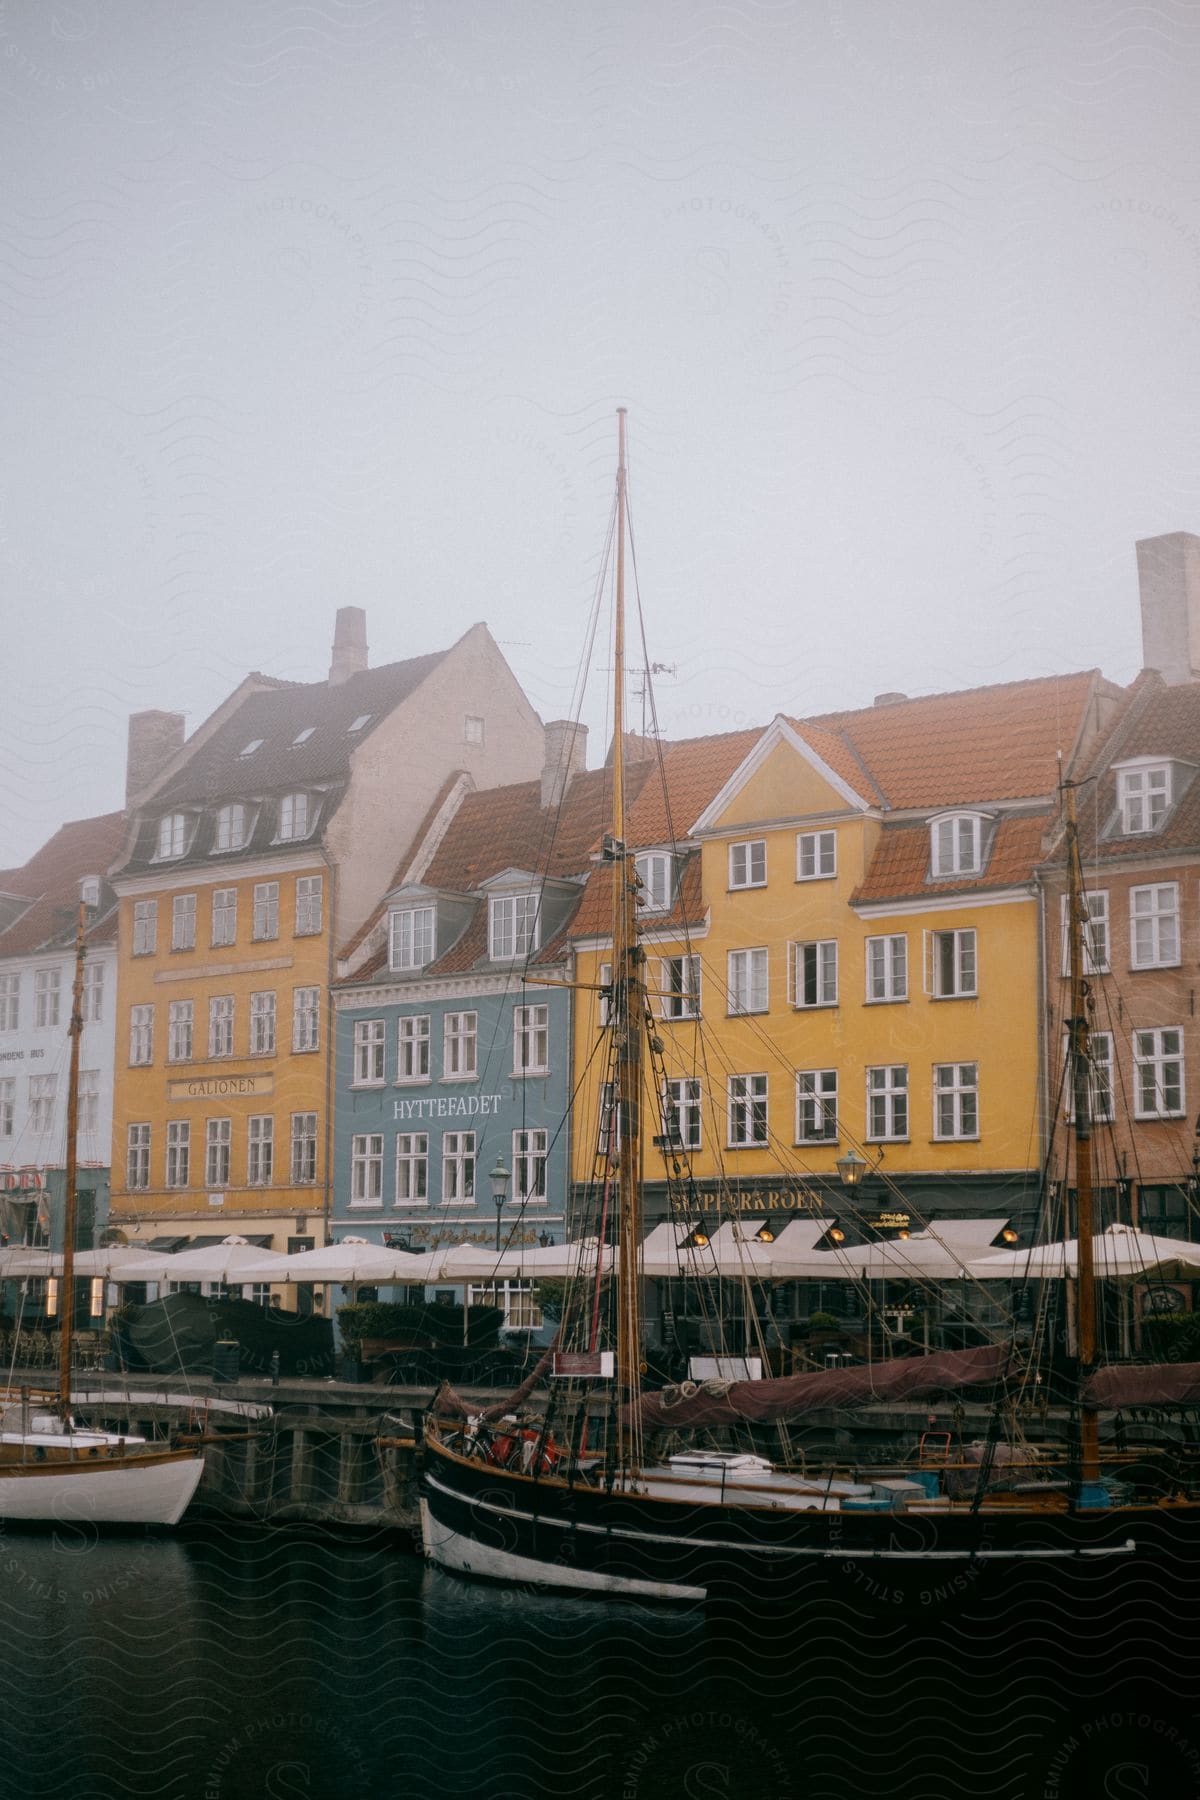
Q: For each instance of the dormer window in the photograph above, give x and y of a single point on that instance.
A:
(1143, 796)
(956, 845)
(411, 937)
(293, 817)
(230, 833)
(513, 926)
(654, 873)
(172, 836)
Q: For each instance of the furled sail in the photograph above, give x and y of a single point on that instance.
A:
(1143, 1384)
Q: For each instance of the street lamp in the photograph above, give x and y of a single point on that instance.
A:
(499, 1178)
(851, 1168)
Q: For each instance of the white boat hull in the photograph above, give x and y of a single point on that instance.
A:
(134, 1491)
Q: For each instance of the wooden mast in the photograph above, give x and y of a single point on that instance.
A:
(628, 1009)
(1081, 1096)
(66, 1291)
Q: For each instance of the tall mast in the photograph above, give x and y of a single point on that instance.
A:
(629, 1008)
(1081, 1095)
(66, 1292)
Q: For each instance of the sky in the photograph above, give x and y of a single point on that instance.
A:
(312, 305)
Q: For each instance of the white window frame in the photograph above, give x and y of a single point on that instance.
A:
(816, 1106)
(412, 936)
(473, 729)
(747, 1116)
(458, 1168)
(1101, 1078)
(679, 987)
(654, 869)
(955, 845)
(1158, 1053)
(748, 981)
(1154, 926)
(137, 1157)
(260, 1150)
(8, 1105)
(47, 995)
(521, 1312)
(681, 1106)
(145, 927)
(177, 1169)
(230, 831)
(531, 1040)
(952, 963)
(816, 855)
(366, 1169)
(310, 897)
(43, 1090)
(955, 1102)
(10, 1002)
(813, 974)
(460, 1046)
(181, 1030)
(218, 1152)
(303, 1149)
(222, 1011)
(370, 1052)
(183, 922)
(514, 926)
(93, 993)
(172, 837)
(141, 1036)
(887, 969)
(262, 1023)
(748, 863)
(1095, 934)
(530, 1155)
(887, 1103)
(223, 918)
(306, 1020)
(412, 1168)
(1144, 797)
(294, 821)
(265, 923)
(412, 1048)
(89, 1100)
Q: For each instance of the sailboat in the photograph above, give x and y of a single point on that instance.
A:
(51, 1467)
(580, 1499)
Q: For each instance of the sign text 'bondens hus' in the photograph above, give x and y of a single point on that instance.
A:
(449, 1106)
(220, 1087)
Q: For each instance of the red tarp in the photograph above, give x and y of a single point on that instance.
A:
(911, 1378)
(1144, 1384)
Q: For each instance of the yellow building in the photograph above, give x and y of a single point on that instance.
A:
(261, 846)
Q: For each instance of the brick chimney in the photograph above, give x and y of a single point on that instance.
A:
(566, 752)
(349, 645)
(154, 738)
(1169, 586)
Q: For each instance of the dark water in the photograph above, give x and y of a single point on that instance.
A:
(263, 1663)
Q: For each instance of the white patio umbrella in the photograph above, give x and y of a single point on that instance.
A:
(1121, 1251)
(227, 1261)
(476, 1262)
(950, 1250)
(353, 1260)
(19, 1260)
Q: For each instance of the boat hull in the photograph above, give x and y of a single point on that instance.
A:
(498, 1525)
(151, 1489)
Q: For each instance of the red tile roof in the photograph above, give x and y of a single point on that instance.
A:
(50, 880)
(1160, 721)
(900, 867)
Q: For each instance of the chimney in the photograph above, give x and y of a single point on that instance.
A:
(1169, 585)
(349, 645)
(566, 750)
(154, 738)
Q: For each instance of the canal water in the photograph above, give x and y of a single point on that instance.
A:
(272, 1663)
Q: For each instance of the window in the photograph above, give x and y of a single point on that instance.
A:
(224, 916)
(368, 1052)
(183, 922)
(1158, 1074)
(10, 1002)
(218, 1136)
(952, 973)
(747, 981)
(814, 973)
(358, 724)
(1100, 1047)
(956, 1100)
(293, 817)
(260, 1150)
(513, 926)
(141, 1034)
(1143, 796)
(956, 845)
(460, 1032)
(654, 873)
(262, 1024)
(412, 937)
(521, 1312)
(93, 992)
(887, 1101)
(458, 1168)
(230, 833)
(180, 1015)
(41, 1101)
(816, 1106)
(137, 1157)
(266, 910)
(531, 1040)
(529, 1165)
(748, 864)
(306, 1018)
(8, 1105)
(1154, 926)
(679, 978)
(1094, 935)
(309, 895)
(472, 729)
(172, 836)
(145, 927)
(179, 1140)
(304, 1148)
(366, 1169)
(413, 1035)
(816, 855)
(747, 1110)
(887, 968)
(302, 737)
(220, 1025)
(681, 1114)
(412, 1168)
(251, 747)
(46, 986)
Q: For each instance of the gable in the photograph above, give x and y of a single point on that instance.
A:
(782, 778)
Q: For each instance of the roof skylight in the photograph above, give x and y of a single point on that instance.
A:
(357, 725)
(251, 747)
(302, 737)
